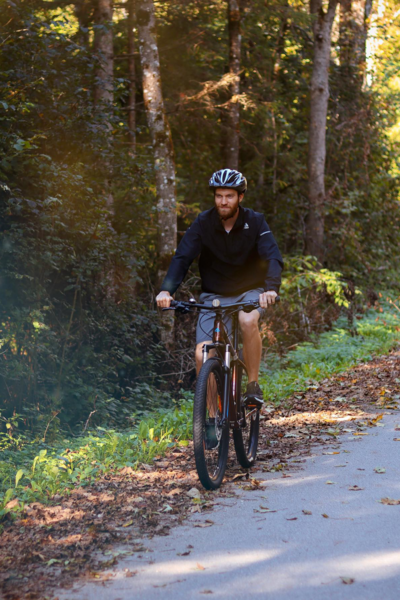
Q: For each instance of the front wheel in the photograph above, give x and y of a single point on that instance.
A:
(210, 436)
(246, 437)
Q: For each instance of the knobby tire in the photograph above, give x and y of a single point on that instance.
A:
(210, 478)
(246, 438)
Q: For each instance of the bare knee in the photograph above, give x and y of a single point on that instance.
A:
(249, 321)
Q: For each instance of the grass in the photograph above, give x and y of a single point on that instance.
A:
(37, 472)
(332, 352)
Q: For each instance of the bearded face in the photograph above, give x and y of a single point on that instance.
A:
(227, 202)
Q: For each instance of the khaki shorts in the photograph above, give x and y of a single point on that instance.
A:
(205, 323)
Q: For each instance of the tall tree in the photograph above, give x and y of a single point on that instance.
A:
(233, 117)
(160, 133)
(367, 14)
(104, 79)
(103, 47)
(132, 75)
(322, 30)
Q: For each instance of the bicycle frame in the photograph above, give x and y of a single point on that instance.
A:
(227, 353)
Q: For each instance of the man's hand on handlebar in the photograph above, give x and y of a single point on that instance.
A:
(164, 300)
(267, 298)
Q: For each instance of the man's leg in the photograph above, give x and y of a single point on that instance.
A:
(252, 344)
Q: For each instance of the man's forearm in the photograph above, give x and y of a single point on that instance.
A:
(273, 278)
(175, 274)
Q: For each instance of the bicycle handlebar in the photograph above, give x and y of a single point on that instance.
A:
(185, 307)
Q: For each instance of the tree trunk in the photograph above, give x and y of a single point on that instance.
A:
(162, 144)
(132, 76)
(270, 97)
(322, 29)
(233, 115)
(367, 14)
(103, 47)
(160, 133)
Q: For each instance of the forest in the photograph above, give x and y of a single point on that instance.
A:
(113, 117)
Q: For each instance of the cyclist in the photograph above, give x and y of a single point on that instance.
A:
(239, 261)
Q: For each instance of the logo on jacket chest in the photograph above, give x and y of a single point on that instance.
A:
(246, 226)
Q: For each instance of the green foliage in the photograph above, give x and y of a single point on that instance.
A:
(75, 336)
(332, 352)
(302, 275)
(58, 468)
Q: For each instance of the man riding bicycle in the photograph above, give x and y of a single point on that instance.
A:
(239, 261)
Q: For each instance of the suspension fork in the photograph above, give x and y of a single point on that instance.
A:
(235, 392)
(218, 339)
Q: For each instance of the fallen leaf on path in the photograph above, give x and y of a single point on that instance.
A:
(240, 476)
(200, 567)
(355, 488)
(360, 433)
(175, 491)
(306, 512)
(396, 439)
(264, 509)
(193, 493)
(389, 501)
(326, 453)
(129, 573)
(291, 518)
(183, 553)
(127, 524)
(347, 580)
(206, 523)
(207, 592)
(380, 470)
(255, 484)
(330, 482)
(325, 516)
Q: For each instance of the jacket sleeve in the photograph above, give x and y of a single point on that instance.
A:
(269, 251)
(188, 249)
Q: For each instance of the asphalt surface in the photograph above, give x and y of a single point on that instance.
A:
(353, 552)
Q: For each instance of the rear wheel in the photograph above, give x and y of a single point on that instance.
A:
(246, 437)
(210, 436)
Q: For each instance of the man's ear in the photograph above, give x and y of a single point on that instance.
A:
(241, 196)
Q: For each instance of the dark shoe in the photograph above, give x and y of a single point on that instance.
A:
(211, 439)
(253, 397)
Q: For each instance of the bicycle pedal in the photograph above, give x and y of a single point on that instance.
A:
(252, 402)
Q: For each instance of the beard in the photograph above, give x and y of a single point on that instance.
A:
(227, 213)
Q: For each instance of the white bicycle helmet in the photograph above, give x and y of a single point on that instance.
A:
(228, 178)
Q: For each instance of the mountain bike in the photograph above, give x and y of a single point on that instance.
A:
(219, 402)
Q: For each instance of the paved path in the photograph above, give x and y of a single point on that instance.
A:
(283, 555)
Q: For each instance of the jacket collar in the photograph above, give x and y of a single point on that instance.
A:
(238, 223)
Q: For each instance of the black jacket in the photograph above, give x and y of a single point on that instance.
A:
(230, 263)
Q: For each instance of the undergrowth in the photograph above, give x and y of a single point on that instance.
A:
(331, 352)
(39, 472)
